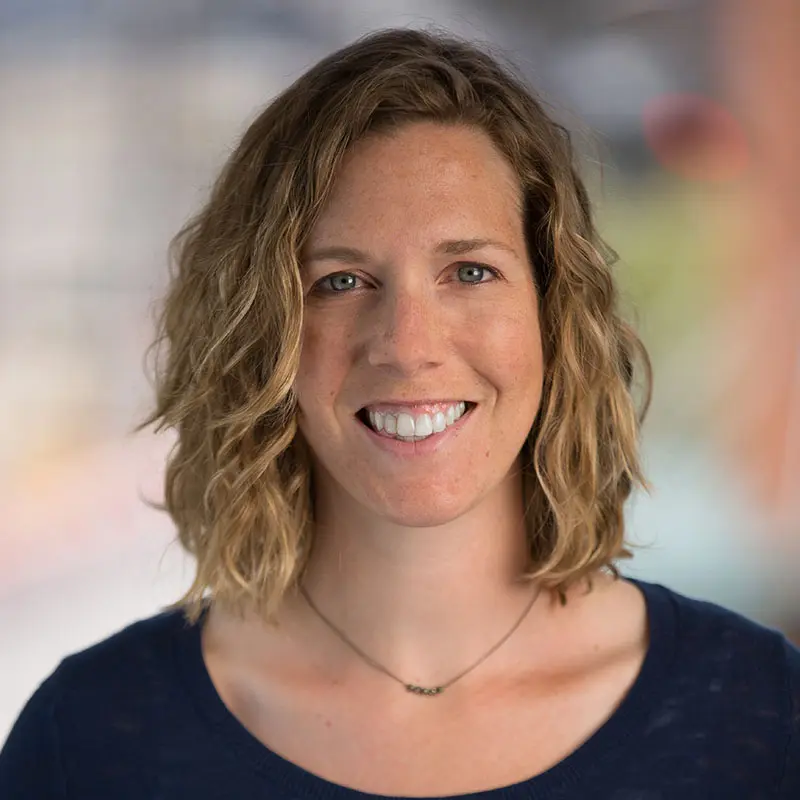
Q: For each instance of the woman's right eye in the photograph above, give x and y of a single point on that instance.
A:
(339, 283)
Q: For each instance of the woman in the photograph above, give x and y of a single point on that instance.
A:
(406, 432)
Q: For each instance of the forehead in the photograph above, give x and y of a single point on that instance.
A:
(423, 177)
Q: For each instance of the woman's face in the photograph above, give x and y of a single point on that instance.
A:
(419, 295)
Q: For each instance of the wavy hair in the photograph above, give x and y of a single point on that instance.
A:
(238, 480)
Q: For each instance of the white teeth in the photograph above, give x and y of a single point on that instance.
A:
(423, 426)
(409, 427)
(405, 425)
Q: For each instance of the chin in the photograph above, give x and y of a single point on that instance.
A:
(421, 519)
(416, 514)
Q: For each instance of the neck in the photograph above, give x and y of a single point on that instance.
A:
(424, 601)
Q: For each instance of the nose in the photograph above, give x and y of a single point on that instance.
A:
(407, 332)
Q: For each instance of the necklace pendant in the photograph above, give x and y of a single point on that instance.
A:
(410, 687)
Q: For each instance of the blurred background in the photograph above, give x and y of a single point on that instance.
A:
(116, 116)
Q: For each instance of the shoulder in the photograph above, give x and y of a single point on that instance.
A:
(118, 683)
(95, 704)
(129, 655)
(716, 639)
(113, 669)
(708, 630)
(736, 673)
(133, 653)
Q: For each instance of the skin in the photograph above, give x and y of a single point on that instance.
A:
(412, 326)
(417, 559)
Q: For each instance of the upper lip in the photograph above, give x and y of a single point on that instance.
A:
(412, 403)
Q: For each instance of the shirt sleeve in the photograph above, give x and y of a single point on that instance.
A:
(30, 761)
(790, 784)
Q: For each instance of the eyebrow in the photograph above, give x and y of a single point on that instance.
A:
(451, 247)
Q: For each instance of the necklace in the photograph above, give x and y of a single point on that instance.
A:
(411, 687)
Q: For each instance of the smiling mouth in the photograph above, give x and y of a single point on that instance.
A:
(413, 428)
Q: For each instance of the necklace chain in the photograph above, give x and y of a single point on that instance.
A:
(412, 687)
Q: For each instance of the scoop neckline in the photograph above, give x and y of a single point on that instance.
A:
(629, 717)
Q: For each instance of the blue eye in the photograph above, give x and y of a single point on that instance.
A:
(469, 274)
(474, 273)
(338, 283)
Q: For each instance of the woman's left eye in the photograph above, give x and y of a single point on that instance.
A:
(474, 273)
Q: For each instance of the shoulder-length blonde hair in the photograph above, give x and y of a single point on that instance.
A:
(238, 483)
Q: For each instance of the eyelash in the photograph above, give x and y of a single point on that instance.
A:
(320, 286)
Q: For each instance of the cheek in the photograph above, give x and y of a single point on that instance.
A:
(511, 342)
(322, 364)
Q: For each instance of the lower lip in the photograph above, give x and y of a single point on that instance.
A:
(431, 444)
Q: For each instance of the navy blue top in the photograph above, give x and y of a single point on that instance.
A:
(714, 713)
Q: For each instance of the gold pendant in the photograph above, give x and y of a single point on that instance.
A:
(410, 687)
